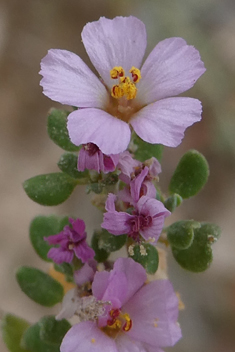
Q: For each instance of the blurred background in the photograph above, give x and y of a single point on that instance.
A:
(28, 28)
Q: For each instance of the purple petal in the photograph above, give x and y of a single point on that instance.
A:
(127, 164)
(135, 274)
(96, 126)
(171, 68)
(85, 274)
(68, 80)
(117, 42)
(86, 161)
(127, 344)
(59, 255)
(87, 337)
(110, 162)
(78, 225)
(154, 311)
(110, 202)
(100, 283)
(55, 239)
(149, 206)
(84, 252)
(136, 183)
(117, 223)
(165, 121)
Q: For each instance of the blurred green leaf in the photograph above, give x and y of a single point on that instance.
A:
(12, 330)
(40, 287)
(50, 189)
(44, 226)
(180, 234)
(109, 242)
(100, 254)
(147, 256)
(146, 150)
(96, 187)
(190, 175)
(31, 341)
(52, 331)
(198, 256)
(173, 202)
(68, 164)
(66, 269)
(57, 130)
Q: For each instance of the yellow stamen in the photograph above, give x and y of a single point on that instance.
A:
(136, 75)
(117, 72)
(128, 323)
(117, 91)
(129, 88)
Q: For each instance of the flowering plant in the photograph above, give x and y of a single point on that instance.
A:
(114, 135)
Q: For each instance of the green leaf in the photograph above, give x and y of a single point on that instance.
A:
(100, 254)
(198, 256)
(50, 189)
(190, 175)
(146, 150)
(12, 330)
(149, 260)
(31, 341)
(66, 269)
(52, 331)
(44, 226)
(96, 187)
(68, 164)
(173, 202)
(40, 287)
(181, 234)
(109, 242)
(57, 130)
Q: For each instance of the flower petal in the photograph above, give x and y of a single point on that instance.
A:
(60, 255)
(86, 273)
(68, 80)
(96, 126)
(154, 310)
(117, 223)
(117, 42)
(171, 68)
(165, 121)
(83, 251)
(87, 337)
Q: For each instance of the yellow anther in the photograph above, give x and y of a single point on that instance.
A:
(129, 89)
(128, 323)
(136, 75)
(117, 72)
(116, 325)
(117, 91)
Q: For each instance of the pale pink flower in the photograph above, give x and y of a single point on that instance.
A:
(129, 94)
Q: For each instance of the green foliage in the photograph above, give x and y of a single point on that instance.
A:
(66, 269)
(199, 255)
(101, 255)
(146, 150)
(68, 164)
(190, 175)
(57, 130)
(50, 189)
(181, 234)
(96, 187)
(52, 331)
(173, 202)
(149, 260)
(40, 287)
(109, 242)
(12, 330)
(44, 226)
(32, 341)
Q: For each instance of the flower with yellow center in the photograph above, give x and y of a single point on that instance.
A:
(146, 102)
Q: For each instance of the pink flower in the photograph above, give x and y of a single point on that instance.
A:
(128, 93)
(91, 158)
(137, 317)
(71, 241)
(146, 220)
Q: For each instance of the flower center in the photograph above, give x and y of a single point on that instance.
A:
(139, 222)
(125, 88)
(119, 320)
(91, 148)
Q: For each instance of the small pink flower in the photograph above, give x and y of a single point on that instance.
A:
(91, 158)
(137, 317)
(129, 93)
(71, 241)
(146, 220)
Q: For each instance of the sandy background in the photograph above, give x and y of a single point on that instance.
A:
(28, 28)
